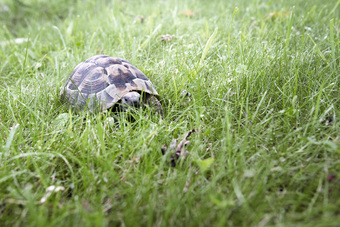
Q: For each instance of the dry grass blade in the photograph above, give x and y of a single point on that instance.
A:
(187, 13)
(278, 15)
(180, 148)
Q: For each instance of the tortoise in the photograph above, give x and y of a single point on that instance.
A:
(101, 82)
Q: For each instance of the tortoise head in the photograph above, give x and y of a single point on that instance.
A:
(131, 99)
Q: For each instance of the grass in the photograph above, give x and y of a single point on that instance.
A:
(264, 84)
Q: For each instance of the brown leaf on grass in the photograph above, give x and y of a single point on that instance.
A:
(15, 201)
(278, 15)
(331, 177)
(186, 187)
(187, 13)
(49, 191)
(328, 120)
(172, 146)
(164, 148)
(134, 160)
(123, 178)
(140, 19)
(186, 98)
(179, 148)
(334, 183)
(86, 205)
(100, 51)
(107, 206)
(209, 149)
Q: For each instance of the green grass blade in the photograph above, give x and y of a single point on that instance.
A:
(207, 47)
(229, 33)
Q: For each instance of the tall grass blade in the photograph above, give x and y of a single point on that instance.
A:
(231, 23)
(10, 137)
(12, 175)
(207, 47)
(60, 35)
(288, 35)
(331, 36)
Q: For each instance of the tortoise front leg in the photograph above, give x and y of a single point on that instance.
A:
(154, 104)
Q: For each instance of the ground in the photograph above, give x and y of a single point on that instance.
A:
(258, 81)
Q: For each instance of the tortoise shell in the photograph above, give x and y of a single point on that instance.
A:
(101, 81)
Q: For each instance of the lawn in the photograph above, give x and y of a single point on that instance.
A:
(258, 81)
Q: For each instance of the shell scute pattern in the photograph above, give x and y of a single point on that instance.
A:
(139, 73)
(120, 76)
(102, 81)
(107, 62)
(79, 76)
(95, 82)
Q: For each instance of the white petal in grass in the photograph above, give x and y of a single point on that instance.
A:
(14, 41)
(51, 189)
